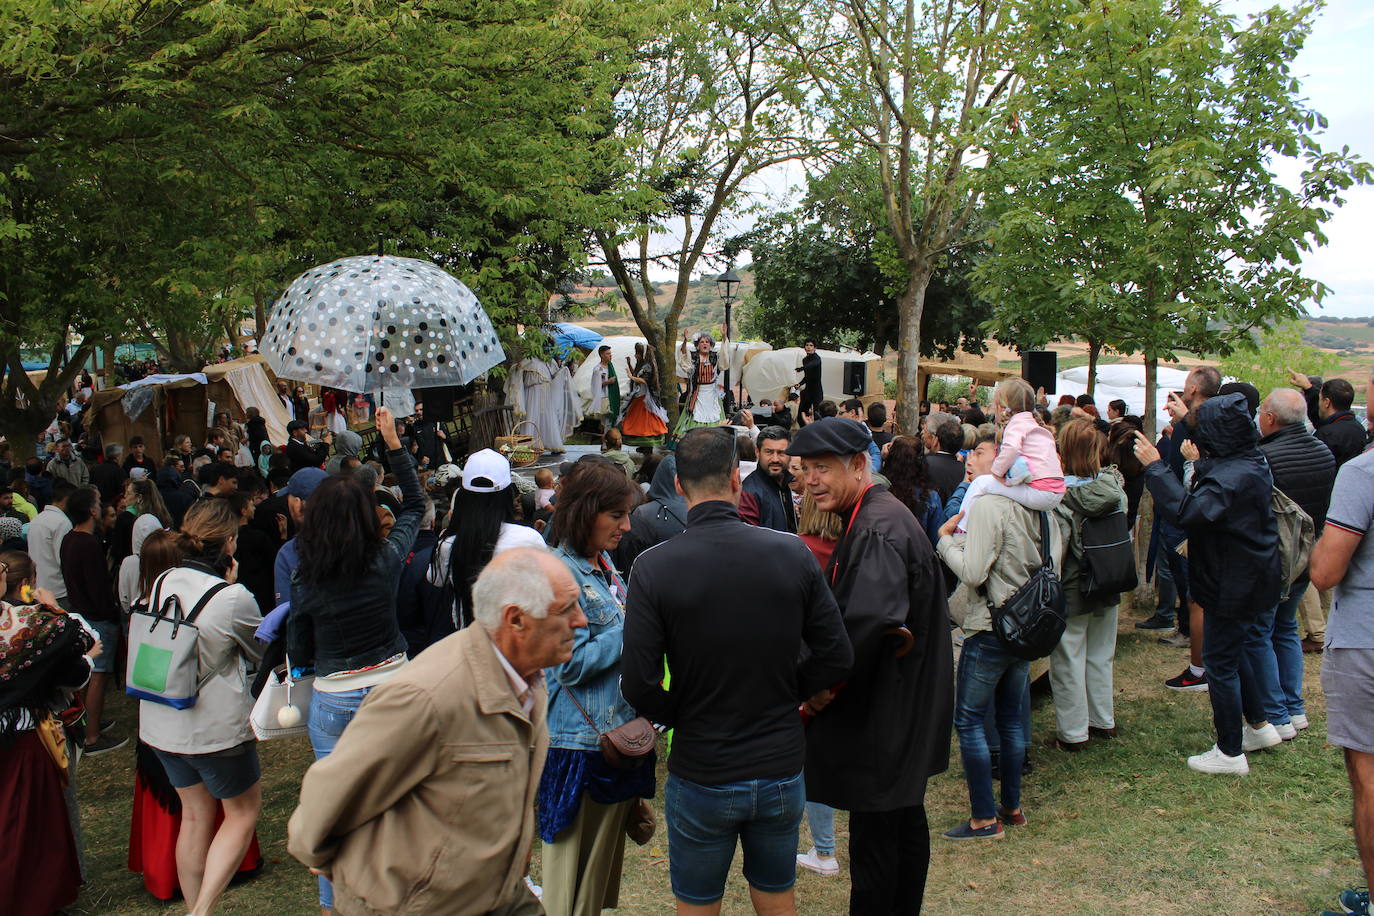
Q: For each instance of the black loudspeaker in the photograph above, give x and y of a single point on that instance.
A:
(1040, 368)
(438, 402)
(855, 378)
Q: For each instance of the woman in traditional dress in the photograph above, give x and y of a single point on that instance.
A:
(703, 369)
(643, 421)
(42, 661)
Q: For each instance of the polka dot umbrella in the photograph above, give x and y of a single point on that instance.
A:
(379, 323)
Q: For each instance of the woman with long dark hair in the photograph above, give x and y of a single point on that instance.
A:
(141, 497)
(342, 620)
(905, 469)
(481, 524)
(208, 750)
(584, 804)
(644, 421)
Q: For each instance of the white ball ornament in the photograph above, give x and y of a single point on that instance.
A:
(289, 716)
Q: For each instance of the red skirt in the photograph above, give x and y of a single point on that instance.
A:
(642, 423)
(153, 844)
(39, 870)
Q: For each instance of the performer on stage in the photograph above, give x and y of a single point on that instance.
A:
(811, 393)
(644, 421)
(703, 369)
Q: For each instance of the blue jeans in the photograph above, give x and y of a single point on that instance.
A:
(1287, 643)
(330, 714)
(704, 822)
(1169, 540)
(988, 674)
(990, 726)
(1260, 665)
(1233, 694)
(821, 818)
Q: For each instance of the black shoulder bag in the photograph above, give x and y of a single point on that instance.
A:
(1031, 622)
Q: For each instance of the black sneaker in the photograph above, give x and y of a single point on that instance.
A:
(1157, 622)
(1186, 681)
(103, 744)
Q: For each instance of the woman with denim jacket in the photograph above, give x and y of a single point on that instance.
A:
(584, 804)
(342, 620)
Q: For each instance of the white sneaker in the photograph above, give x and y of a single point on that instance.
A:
(1300, 722)
(1287, 731)
(535, 889)
(1214, 761)
(1257, 739)
(828, 866)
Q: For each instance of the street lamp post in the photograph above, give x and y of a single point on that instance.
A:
(726, 284)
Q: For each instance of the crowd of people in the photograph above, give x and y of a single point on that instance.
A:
(801, 608)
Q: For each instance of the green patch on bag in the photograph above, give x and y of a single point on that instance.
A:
(150, 668)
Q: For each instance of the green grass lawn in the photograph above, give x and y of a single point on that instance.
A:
(1122, 827)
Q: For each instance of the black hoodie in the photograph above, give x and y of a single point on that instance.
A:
(1233, 540)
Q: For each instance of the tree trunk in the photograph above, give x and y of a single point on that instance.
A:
(910, 306)
(108, 358)
(259, 316)
(1151, 417)
(1094, 352)
(23, 426)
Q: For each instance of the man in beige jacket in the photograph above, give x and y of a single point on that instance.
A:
(426, 805)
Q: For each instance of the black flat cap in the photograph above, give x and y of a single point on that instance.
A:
(831, 436)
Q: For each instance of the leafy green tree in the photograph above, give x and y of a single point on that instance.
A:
(1265, 359)
(1136, 204)
(708, 108)
(914, 91)
(167, 167)
(816, 280)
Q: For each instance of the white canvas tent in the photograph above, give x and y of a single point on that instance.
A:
(1125, 381)
(768, 375)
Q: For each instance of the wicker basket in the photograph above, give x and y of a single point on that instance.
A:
(523, 449)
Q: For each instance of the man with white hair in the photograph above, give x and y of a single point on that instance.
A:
(461, 729)
(1304, 470)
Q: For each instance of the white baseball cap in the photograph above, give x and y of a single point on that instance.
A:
(487, 471)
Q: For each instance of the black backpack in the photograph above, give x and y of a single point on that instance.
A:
(1031, 622)
(1108, 556)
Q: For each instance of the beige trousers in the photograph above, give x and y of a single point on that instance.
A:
(582, 866)
(1312, 611)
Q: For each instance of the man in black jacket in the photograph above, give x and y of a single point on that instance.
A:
(766, 499)
(301, 452)
(812, 392)
(1305, 470)
(1233, 566)
(733, 638)
(942, 438)
(875, 742)
(1328, 407)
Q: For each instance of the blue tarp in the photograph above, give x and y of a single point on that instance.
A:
(567, 336)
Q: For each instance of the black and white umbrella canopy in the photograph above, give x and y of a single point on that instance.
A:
(380, 322)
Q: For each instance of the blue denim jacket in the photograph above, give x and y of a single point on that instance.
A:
(593, 672)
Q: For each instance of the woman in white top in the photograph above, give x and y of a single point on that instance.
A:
(208, 749)
(481, 524)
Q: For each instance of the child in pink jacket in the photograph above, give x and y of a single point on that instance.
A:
(1027, 467)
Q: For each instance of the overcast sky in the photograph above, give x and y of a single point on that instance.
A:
(1336, 68)
(1337, 71)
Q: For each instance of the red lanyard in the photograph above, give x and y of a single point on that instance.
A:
(835, 567)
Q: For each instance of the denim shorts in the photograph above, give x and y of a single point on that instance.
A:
(705, 821)
(226, 774)
(108, 632)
